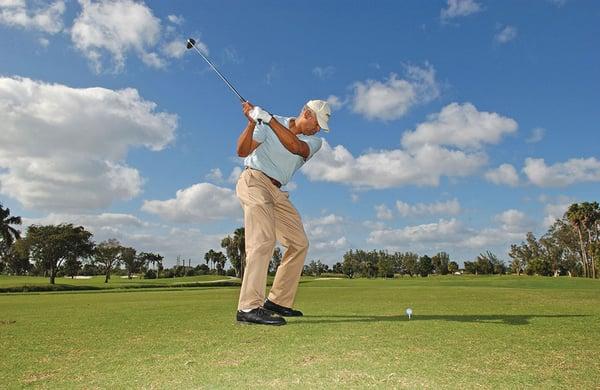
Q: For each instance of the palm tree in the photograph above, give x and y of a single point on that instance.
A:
(8, 234)
(239, 240)
(210, 257)
(236, 250)
(585, 217)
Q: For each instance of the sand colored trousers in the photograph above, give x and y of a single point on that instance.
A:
(269, 216)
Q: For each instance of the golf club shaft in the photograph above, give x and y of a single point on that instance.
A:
(219, 73)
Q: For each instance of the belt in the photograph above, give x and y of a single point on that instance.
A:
(275, 182)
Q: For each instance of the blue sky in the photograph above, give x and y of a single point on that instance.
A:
(458, 125)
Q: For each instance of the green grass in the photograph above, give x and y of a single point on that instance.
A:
(467, 332)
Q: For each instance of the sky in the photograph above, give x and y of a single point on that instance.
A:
(457, 125)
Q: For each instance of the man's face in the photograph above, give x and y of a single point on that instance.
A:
(312, 125)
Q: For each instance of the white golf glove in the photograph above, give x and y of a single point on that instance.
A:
(260, 115)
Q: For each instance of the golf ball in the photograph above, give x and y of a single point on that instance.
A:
(409, 312)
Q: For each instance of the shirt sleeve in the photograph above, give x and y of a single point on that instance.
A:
(314, 144)
(259, 134)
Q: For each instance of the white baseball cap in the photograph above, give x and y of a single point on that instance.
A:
(323, 111)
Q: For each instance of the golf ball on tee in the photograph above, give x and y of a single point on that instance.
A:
(409, 312)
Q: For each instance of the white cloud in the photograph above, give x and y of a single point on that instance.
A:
(513, 220)
(323, 72)
(48, 19)
(333, 245)
(215, 175)
(323, 228)
(176, 48)
(462, 126)
(450, 207)
(449, 235)
(334, 102)
(234, 175)
(200, 203)
(93, 222)
(290, 186)
(64, 148)
(383, 212)
(394, 97)
(537, 135)
(558, 3)
(457, 8)
(554, 211)
(576, 170)
(505, 174)
(507, 34)
(441, 231)
(175, 19)
(121, 27)
(391, 168)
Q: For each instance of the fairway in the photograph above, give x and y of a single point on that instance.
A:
(466, 332)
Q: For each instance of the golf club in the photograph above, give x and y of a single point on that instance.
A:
(191, 43)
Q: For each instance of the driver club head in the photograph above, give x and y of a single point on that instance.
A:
(190, 43)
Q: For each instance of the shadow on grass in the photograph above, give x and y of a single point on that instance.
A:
(506, 319)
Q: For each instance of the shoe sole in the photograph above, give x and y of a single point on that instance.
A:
(241, 322)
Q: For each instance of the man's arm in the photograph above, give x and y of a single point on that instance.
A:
(246, 144)
(289, 139)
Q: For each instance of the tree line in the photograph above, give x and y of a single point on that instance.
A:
(571, 246)
(68, 250)
(379, 263)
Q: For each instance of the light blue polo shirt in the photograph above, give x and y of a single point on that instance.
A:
(273, 158)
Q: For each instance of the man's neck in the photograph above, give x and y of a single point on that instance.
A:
(293, 128)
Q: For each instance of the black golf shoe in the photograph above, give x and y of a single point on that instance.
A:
(282, 310)
(259, 316)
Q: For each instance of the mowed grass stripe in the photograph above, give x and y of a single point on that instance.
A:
(465, 333)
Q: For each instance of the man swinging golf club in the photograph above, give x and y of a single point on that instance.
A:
(274, 148)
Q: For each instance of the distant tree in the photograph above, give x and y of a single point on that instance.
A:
(452, 267)
(275, 260)
(235, 248)
(483, 263)
(338, 268)
(72, 266)
(210, 257)
(89, 269)
(202, 269)
(585, 219)
(518, 263)
(440, 263)
(49, 246)
(471, 267)
(153, 259)
(16, 260)
(220, 260)
(8, 234)
(314, 268)
(385, 266)
(425, 266)
(350, 264)
(133, 263)
(107, 255)
(410, 263)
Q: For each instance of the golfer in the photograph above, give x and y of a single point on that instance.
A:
(274, 148)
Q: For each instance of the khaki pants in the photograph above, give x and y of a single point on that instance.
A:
(269, 216)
